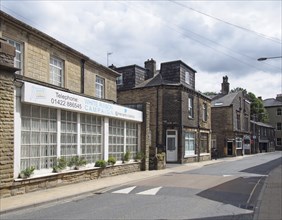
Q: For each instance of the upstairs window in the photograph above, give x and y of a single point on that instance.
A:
(278, 126)
(100, 87)
(238, 119)
(205, 112)
(120, 80)
(190, 107)
(279, 111)
(18, 60)
(56, 72)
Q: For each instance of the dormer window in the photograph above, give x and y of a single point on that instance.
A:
(120, 80)
(189, 78)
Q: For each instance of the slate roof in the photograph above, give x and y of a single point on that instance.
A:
(271, 102)
(157, 80)
(224, 101)
(261, 124)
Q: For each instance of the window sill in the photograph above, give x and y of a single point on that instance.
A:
(192, 155)
(204, 154)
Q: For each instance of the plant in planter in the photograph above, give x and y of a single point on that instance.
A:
(160, 156)
(112, 161)
(139, 156)
(77, 162)
(126, 157)
(61, 164)
(26, 173)
(101, 163)
(161, 161)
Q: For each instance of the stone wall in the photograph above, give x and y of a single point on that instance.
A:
(37, 48)
(22, 186)
(7, 53)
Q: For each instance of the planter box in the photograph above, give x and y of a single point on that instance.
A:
(22, 186)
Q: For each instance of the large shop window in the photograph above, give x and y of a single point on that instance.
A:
(204, 143)
(189, 143)
(68, 134)
(91, 137)
(38, 137)
(131, 138)
(116, 138)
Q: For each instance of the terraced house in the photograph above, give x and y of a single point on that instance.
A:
(273, 107)
(57, 102)
(231, 122)
(180, 116)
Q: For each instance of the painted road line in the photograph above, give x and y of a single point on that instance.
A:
(153, 191)
(125, 191)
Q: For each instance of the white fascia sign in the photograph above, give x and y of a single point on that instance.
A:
(41, 95)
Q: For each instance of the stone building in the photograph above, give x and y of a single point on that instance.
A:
(273, 107)
(230, 114)
(58, 103)
(263, 137)
(180, 117)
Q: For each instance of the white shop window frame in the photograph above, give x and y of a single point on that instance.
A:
(42, 172)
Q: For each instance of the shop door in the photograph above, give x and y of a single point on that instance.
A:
(171, 146)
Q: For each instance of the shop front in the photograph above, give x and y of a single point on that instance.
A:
(50, 124)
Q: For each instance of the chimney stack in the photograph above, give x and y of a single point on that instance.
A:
(225, 86)
(279, 97)
(150, 65)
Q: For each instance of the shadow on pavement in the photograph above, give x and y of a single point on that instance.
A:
(235, 192)
(265, 168)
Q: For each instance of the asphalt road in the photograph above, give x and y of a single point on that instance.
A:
(225, 190)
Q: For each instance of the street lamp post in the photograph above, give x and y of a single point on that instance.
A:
(108, 54)
(267, 58)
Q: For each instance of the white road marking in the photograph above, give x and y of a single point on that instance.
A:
(125, 191)
(153, 191)
(227, 175)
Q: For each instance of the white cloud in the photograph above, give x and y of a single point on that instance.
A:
(137, 30)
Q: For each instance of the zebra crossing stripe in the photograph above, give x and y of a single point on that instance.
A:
(125, 191)
(153, 191)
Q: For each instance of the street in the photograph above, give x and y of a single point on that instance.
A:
(228, 189)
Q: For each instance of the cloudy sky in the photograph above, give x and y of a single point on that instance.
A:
(216, 38)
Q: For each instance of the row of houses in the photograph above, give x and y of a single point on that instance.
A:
(56, 102)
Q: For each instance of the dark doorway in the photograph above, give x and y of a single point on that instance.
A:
(229, 148)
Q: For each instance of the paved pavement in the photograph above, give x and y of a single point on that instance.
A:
(270, 201)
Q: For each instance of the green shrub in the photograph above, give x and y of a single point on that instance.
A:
(161, 156)
(27, 172)
(112, 161)
(139, 156)
(126, 156)
(101, 163)
(61, 164)
(77, 161)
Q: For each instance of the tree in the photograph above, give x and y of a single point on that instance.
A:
(210, 93)
(238, 89)
(258, 111)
